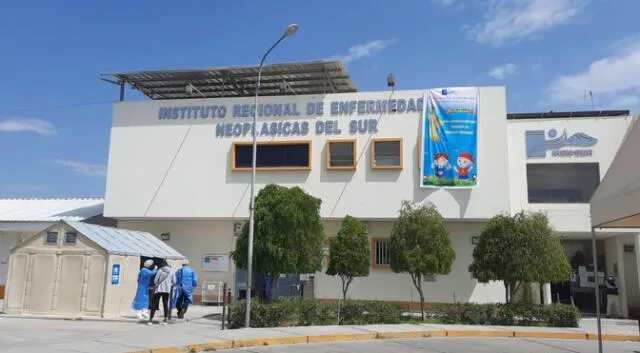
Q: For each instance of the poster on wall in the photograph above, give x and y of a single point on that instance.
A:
(450, 138)
(215, 263)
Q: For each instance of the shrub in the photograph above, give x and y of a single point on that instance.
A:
(555, 315)
(272, 314)
(561, 315)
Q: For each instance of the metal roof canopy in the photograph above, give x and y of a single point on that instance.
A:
(312, 77)
(566, 115)
(119, 241)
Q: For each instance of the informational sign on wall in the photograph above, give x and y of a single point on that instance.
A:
(450, 138)
(115, 274)
(215, 263)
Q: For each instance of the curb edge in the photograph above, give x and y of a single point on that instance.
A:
(300, 339)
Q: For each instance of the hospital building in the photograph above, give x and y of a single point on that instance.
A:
(179, 167)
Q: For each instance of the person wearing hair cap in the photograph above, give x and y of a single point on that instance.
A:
(141, 300)
(186, 280)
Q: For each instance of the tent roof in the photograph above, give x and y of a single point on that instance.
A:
(49, 210)
(616, 201)
(119, 241)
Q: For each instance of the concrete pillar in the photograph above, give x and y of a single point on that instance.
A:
(546, 293)
(622, 285)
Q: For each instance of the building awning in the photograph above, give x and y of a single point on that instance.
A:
(616, 201)
(299, 78)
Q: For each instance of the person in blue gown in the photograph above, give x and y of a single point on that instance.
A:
(185, 281)
(141, 301)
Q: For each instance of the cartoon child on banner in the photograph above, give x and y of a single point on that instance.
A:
(440, 165)
(465, 165)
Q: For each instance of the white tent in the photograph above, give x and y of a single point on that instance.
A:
(616, 201)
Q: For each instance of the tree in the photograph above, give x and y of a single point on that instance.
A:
(349, 255)
(288, 236)
(420, 245)
(517, 249)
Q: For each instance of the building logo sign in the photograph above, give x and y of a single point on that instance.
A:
(538, 142)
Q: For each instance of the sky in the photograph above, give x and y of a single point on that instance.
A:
(55, 112)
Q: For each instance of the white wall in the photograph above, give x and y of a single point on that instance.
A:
(194, 239)
(187, 172)
(565, 217)
(384, 284)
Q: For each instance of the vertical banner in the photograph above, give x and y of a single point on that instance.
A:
(450, 138)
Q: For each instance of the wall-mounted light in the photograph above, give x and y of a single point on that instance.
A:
(628, 247)
(165, 236)
(475, 240)
(237, 229)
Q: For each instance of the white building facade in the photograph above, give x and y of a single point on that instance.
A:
(180, 169)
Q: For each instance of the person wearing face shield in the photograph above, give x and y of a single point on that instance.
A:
(141, 300)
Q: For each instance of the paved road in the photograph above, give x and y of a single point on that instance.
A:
(453, 345)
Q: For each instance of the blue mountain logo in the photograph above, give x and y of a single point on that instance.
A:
(537, 144)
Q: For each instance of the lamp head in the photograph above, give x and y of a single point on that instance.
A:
(189, 89)
(391, 80)
(293, 28)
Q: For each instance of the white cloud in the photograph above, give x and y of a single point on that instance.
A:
(501, 72)
(366, 49)
(33, 125)
(513, 20)
(83, 168)
(613, 80)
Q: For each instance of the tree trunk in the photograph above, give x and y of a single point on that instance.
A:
(507, 292)
(346, 282)
(417, 282)
(275, 277)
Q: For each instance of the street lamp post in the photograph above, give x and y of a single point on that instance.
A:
(288, 32)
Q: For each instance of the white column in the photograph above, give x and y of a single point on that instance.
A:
(621, 278)
(546, 293)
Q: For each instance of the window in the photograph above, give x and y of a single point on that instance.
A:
(562, 182)
(70, 238)
(341, 154)
(386, 153)
(51, 238)
(280, 155)
(380, 253)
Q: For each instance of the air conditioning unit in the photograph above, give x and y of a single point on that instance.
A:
(237, 228)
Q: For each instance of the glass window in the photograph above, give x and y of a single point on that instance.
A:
(70, 238)
(381, 256)
(274, 155)
(341, 154)
(51, 238)
(387, 154)
(562, 182)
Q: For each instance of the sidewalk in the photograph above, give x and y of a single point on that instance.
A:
(200, 334)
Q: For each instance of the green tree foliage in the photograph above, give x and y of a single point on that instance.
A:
(350, 255)
(288, 237)
(517, 249)
(420, 245)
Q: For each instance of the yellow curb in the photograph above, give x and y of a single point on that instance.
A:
(342, 337)
(411, 334)
(269, 341)
(168, 350)
(559, 335)
(214, 346)
(479, 333)
(594, 336)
